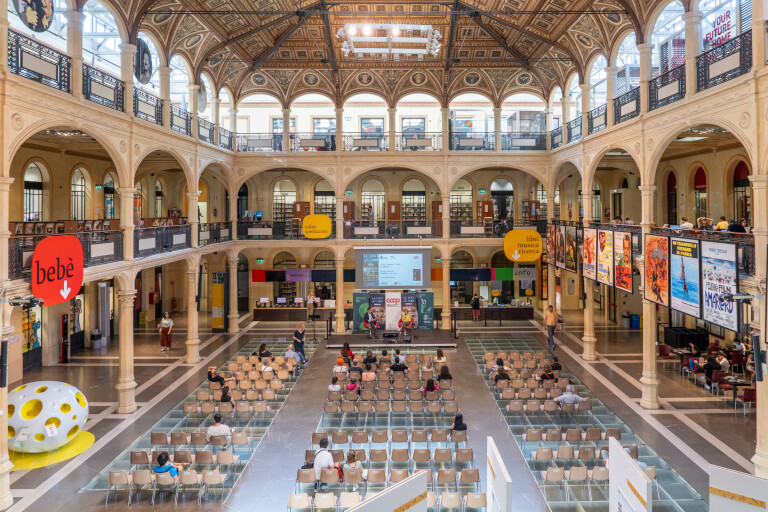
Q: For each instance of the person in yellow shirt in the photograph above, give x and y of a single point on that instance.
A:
(722, 225)
(550, 318)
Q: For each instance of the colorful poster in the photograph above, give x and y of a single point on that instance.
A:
(623, 260)
(409, 306)
(571, 250)
(656, 279)
(684, 276)
(376, 303)
(30, 328)
(589, 269)
(218, 313)
(560, 247)
(393, 310)
(426, 302)
(719, 277)
(359, 308)
(605, 257)
(551, 244)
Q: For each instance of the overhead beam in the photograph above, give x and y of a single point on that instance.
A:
(451, 34)
(382, 13)
(303, 17)
(328, 36)
(474, 16)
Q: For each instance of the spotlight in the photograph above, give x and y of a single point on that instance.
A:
(395, 31)
(367, 30)
(352, 30)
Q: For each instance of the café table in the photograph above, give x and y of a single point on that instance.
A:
(682, 352)
(736, 383)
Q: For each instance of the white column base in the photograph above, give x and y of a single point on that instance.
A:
(759, 459)
(589, 353)
(234, 325)
(446, 321)
(6, 498)
(126, 397)
(340, 323)
(193, 351)
(650, 397)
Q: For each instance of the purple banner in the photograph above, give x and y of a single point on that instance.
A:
(298, 275)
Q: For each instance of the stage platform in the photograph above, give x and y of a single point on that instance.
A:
(424, 338)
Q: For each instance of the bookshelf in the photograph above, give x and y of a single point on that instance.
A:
(461, 207)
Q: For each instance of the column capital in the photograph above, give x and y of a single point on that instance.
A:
(391, 110)
(692, 17)
(758, 181)
(340, 262)
(584, 87)
(74, 17)
(645, 48)
(286, 111)
(128, 48)
(496, 109)
(446, 262)
(195, 195)
(126, 298)
(647, 190)
(339, 110)
(5, 183)
(126, 191)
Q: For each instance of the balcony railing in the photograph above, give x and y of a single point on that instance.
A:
(158, 240)
(556, 137)
(392, 229)
(35, 61)
(225, 139)
(524, 141)
(725, 62)
(273, 230)
(259, 142)
(205, 130)
(99, 247)
(181, 120)
(744, 241)
(313, 142)
(667, 88)
(478, 141)
(147, 107)
(103, 88)
(626, 106)
(597, 119)
(430, 141)
(574, 129)
(366, 141)
(213, 233)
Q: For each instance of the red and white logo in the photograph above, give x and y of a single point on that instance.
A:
(393, 301)
(57, 269)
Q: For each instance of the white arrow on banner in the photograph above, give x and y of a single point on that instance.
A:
(65, 291)
(516, 256)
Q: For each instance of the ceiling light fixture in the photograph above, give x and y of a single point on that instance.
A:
(398, 40)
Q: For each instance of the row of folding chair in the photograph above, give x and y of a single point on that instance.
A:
(418, 457)
(531, 383)
(246, 384)
(391, 394)
(570, 453)
(571, 435)
(446, 477)
(256, 406)
(143, 477)
(394, 406)
(254, 374)
(362, 437)
(528, 393)
(178, 438)
(539, 354)
(251, 395)
(382, 377)
(200, 457)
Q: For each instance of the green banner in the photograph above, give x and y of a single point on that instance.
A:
(426, 303)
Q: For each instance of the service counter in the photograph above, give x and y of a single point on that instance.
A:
(489, 314)
(293, 314)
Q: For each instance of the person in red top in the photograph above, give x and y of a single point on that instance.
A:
(353, 385)
(346, 352)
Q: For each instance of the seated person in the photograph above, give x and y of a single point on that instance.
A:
(292, 354)
(352, 385)
(353, 463)
(725, 365)
(501, 375)
(397, 366)
(262, 351)
(694, 349)
(556, 364)
(370, 358)
(334, 385)
(340, 368)
(499, 366)
(444, 374)
(218, 429)
(458, 422)
(439, 357)
(399, 358)
(346, 351)
(225, 397)
(429, 386)
(570, 396)
(369, 374)
(738, 346)
(213, 377)
(709, 368)
(385, 357)
(265, 365)
(164, 465)
(547, 375)
(426, 365)
(355, 367)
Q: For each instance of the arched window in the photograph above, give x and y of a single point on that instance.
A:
(325, 199)
(283, 260)
(627, 65)
(574, 93)
(242, 202)
(154, 80)
(283, 197)
(672, 199)
(110, 187)
(77, 193)
(502, 196)
(158, 199)
(723, 20)
(668, 39)
(461, 201)
(461, 289)
(598, 85)
(101, 38)
(179, 82)
(414, 201)
(597, 213)
(138, 200)
(541, 196)
(372, 199)
(700, 193)
(624, 183)
(742, 199)
(33, 194)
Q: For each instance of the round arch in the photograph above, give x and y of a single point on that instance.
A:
(464, 173)
(593, 164)
(473, 90)
(122, 27)
(613, 51)
(356, 92)
(656, 14)
(401, 95)
(156, 41)
(310, 92)
(87, 192)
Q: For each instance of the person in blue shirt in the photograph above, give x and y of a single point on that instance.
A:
(164, 465)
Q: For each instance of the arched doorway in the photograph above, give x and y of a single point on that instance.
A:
(372, 201)
(242, 202)
(33, 194)
(325, 199)
(742, 198)
(502, 195)
(461, 203)
(414, 201)
(506, 289)
(243, 283)
(283, 198)
(325, 289)
(283, 260)
(700, 193)
(461, 291)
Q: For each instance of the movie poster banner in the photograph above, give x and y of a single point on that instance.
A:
(684, 276)
(656, 279)
(718, 278)
(560, 247)
(623, 260)
(605, 257)
(426, 310)
(589, 268)
(571, 250)
(551, 244)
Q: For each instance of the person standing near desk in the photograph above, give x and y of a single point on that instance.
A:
(311, 308)
(475, 308)
(298, 342)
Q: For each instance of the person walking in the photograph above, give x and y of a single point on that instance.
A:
(298, 341)
(166, 327)
(550, 318)
(475, 308)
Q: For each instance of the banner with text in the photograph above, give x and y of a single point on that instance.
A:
(393, 310)
(426, 302)
(605, 257)
(359, 308)
(589, 268)
(719, 277)
(408, 306)
(684, 276)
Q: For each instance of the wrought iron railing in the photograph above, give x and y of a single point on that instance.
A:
(249, 142)
(274, 230)
(206, 130)
(556, 137)
(366, 141)
(213, 233)
(158, 240)
(313, 142)
(725, 62)
(574, 129)
(429, 141)
(477, 141)
(103, 88)
(181, 120)
(392, 229)
(744, 241)
(597, 119)
(225, 139)
(35, 61)
(667, 88)
(626, 106)
(524, 141)
(147, 107)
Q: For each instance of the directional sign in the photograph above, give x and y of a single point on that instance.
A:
(522, 245)
(317, 226)
(57, 269)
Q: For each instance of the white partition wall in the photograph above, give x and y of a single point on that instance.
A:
(734, 491)
(499, 483)
(630, 487)
(410, 495)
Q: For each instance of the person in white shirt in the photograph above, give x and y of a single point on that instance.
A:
(166, 327)
(686, 224)
(218, 429)
(265, 365)
(292, 354)
(340, 367)
(334, 385)
(323, 460)
(570, 396)
(725, 365)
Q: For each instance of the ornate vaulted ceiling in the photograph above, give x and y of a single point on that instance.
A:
(286, 48)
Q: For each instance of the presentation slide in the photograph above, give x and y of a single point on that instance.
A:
(403, 268)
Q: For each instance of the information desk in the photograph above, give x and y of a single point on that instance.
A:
(493, 313)
(292, 314)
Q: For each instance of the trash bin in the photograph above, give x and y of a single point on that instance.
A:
(625, 320)
(635, 322)
(97, 340)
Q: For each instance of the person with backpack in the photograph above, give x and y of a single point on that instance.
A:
(323, 460)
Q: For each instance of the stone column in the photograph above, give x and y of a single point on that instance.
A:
(126, 220)
(164, 73)
(126, 385)
(6, 498)
(192, 109)
(446, 314)
(193, 338)
(75, 51)
(649, 379)
(759, 14)
(646, 68)
(340, 315)
(565, 101)
(215, 102)
(339, 132)
(589, 339)
(192, 219)
(4, 25)
(585, 108)
(611, 85)
(234, 312)
(286, 130)
(5, 233)
(497, 128)
(127, 52)
(549, 121)
(392, 128)
(446, 117)
(692, 22)
(339, 214)
(233, 125)
(551, 269)
(446, 217)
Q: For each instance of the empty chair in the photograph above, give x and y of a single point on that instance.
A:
(140, 478)
(359, 437)
(553, 435)
(450, 500)
(470, 476)
(212, 477)
(208, 407)
(119, 478)
(183, 457)
(451, 407)
(202, 395)
(447, 476)
(553, 474)
(348, 407)
(190, 407)
(139, 458)
(331, 408)
(269, 394)
(585, 453)
(340, 437)
(565, 452)
(325, 500)
(226, 407)
(598, 474)
(226, 458)
(475, 500)
(593, 434)
(349, 499)
(377, 456)
(204, 457)
(399, 436)
(420, 456)
(417, 406)
(573, 435)
(399, 406)
(576, 474)
(300, 501)
(515, 406)
(443, 457)
(380, 437)
(198, 439)
(542, 453)
(613, 432)
(524, 394)
(305, 476)
(188, 477)
(179, 438)
(240, 438)
(464, 455)
(159, 438)
(398, 475)
(375, 476)
(338, 455)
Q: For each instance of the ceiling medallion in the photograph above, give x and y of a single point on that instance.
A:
(311, 79)
(471, 78)
(418, 78)
(258, 79)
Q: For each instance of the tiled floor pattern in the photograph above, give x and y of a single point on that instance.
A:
(670, 491)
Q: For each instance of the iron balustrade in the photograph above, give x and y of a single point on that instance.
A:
(725, 62)
(667, 88)
(206, 130)
(225, 139)
(35, 61)
(574, 129)
(626, 106)
(313, 142)
(597, 119)
(274, 230)
(488, 228)
(147, 107)
(428, 141)
(181, 120)
(556, 137)
(248, 142)
(103, 88)
(213, 233)
(745, 243)
(162, 239)
(477, 141)
(99, 247)
(366, 141)
(367, 229)
(523, 141)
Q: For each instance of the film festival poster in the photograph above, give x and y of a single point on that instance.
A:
(684, 276)
(605, 257)
(589, 268)
(551, 244)
(560, 247)
(571, 249)
(718, 278)
(656, 279)
(623, 260)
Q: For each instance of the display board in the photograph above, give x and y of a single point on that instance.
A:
(499, 492)
(605, 257)
(426, 303)
(622, 259)
(734, 491)
(393, 310)
(389, 269)
(589, 247)
(571, 250)
(719, 277)
(684, 278)
(218, 296)
(410, 495)
(629, 488)
(656, 278)
(560, 247)
(551, 228)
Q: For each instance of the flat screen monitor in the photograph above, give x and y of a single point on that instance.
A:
(397, 268)
(264, 300)
(453, 283)
(259, 215)
(280, 300)
(298, 300)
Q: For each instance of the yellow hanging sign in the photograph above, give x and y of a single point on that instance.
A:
(522, 245)
(317, 226)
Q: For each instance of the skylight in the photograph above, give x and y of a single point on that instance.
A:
(380, 40)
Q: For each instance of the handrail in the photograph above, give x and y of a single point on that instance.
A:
(103, 88)
(628, 98)
(574, 129)
(147, 106)
(225, 138)
(741, 45)
(19, 45)
(556, 137)
(177, 113)
(675, 75)
(205, 130)
(595, 114)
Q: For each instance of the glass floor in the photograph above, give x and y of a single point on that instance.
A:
(670, 491)
(254, 424)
